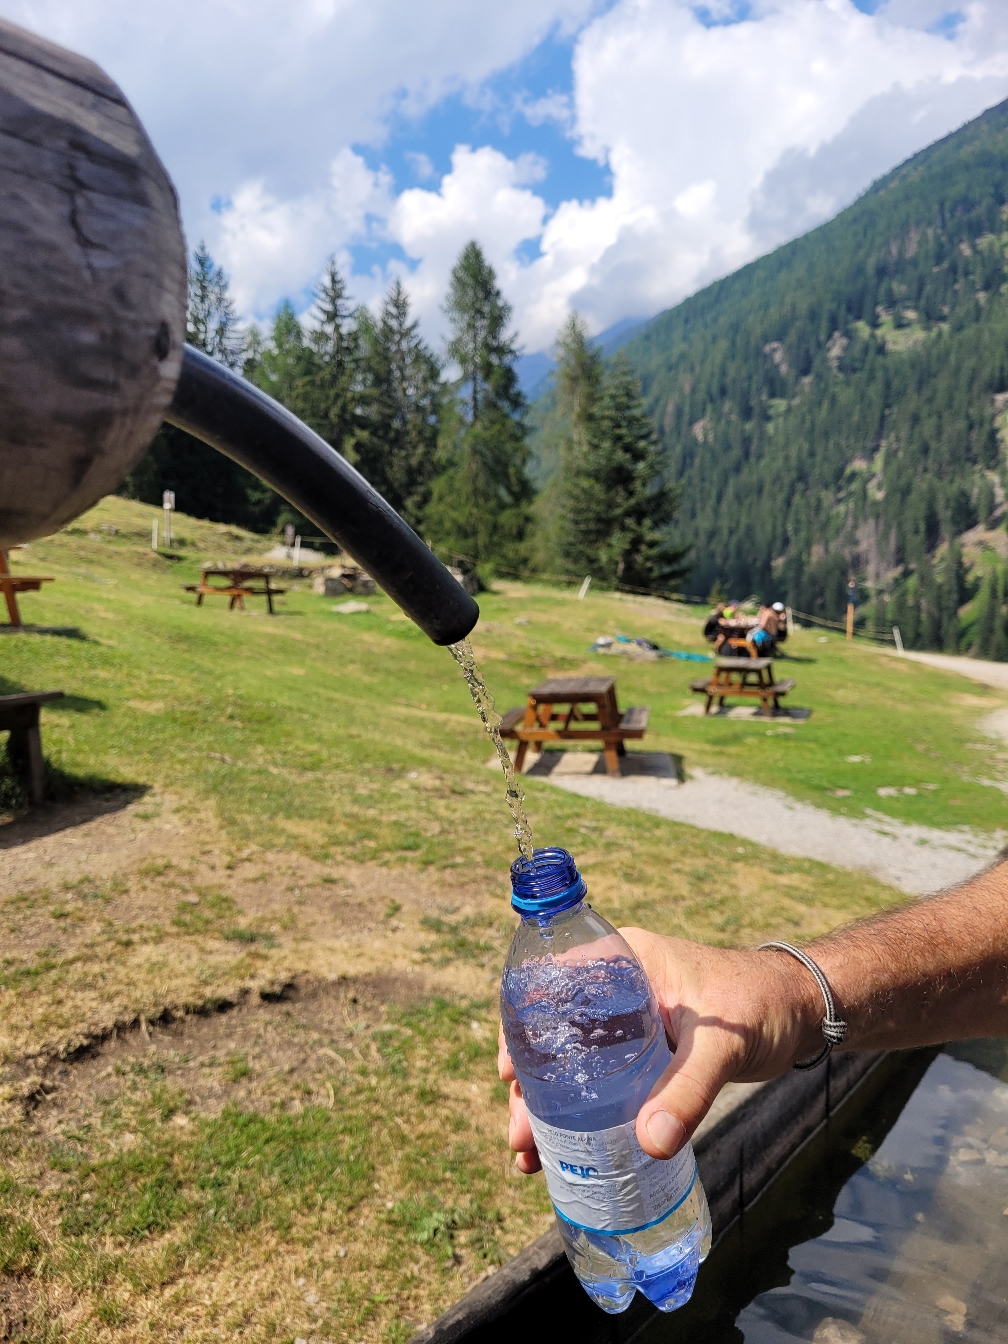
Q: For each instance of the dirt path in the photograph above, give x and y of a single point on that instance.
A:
(919, 860)
(977, 669)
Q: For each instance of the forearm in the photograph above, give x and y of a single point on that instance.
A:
(933, 971)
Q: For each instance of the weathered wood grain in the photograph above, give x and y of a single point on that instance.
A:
(92, 287)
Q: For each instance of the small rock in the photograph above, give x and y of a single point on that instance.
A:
(907, 789)
(886, 792)
(840, 793)
(351, 608)
(831, 1330)
(342, 1250)
(521, 620)
(300, 1283)
(190, 900)
(311, 1299)
(300, 1340)
(823, 639)
(955, 1312)
(859, 760)
(390, 1203)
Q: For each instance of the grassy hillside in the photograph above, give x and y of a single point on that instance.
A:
(836, 406)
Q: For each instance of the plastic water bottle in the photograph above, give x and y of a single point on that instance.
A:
(587, 1043)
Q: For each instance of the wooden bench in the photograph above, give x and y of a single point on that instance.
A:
(19, 715)
(746, 677)
(565, 709)
(12, 584)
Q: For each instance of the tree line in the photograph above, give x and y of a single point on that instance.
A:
(444, 438)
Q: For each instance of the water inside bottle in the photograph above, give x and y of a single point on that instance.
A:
(575, 1027)
(484, 702)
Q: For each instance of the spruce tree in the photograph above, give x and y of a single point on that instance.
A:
(999, 651)
(617, 506)
(206, 483)
(988, 616)
(400, 402)
(285, 365)
(953, 583)
(329, 399)
(211, 320)
(480, 505)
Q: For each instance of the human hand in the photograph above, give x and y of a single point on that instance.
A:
(730, 1015)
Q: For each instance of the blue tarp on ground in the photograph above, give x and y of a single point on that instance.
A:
(606, 642)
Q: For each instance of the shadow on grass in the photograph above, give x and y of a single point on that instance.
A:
(77, 704)
(63, 631)
(69, 801)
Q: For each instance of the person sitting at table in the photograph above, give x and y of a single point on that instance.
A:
(764, 633)
(782, 626)
(714, 631)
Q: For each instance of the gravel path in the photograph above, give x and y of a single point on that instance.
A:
(978, 669)
(919, 860)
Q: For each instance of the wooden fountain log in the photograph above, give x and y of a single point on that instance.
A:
(92, 287)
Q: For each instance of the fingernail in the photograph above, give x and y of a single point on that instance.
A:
(666, 1132)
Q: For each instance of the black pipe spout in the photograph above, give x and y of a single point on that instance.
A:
(229, 413)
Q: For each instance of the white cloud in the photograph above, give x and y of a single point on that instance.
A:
(719, 142)
(271, 246)
(486, 196)
(422, 167)
(709, 132)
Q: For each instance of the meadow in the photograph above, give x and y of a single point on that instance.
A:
(250, 946)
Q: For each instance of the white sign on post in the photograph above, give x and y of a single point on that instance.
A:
(168, 503)
(297, 551)
(153, 534)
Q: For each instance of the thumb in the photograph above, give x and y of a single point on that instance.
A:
(704, 1061)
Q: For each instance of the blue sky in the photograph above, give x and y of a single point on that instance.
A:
(609, 155)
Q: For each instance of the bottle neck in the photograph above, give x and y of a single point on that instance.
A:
(546, 917)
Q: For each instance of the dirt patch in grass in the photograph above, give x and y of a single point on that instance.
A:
(137, 914)
(327, 1162)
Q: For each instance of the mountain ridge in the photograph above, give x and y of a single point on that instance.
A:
(837, 406)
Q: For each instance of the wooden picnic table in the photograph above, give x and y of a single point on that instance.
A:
(569, 709)
(239, 581)
(750, 677)
(19, 715)
(12, 584)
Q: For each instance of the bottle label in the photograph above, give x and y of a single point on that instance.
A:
(603, 1180)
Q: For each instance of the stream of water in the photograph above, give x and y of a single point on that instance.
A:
(484, 702)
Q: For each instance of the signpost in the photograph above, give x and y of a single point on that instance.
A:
(168, 503)
(851, 601)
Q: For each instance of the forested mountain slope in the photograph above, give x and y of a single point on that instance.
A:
(832, 408)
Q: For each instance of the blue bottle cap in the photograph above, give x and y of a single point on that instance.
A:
(547, 883)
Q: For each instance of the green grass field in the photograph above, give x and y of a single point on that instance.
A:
(250, 950)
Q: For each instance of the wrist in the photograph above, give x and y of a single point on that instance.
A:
(802, 1003)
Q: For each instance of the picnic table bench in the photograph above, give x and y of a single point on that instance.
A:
(238, 586)
(751, 677)
(12, 584)
(570, 709)
(19, 715)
